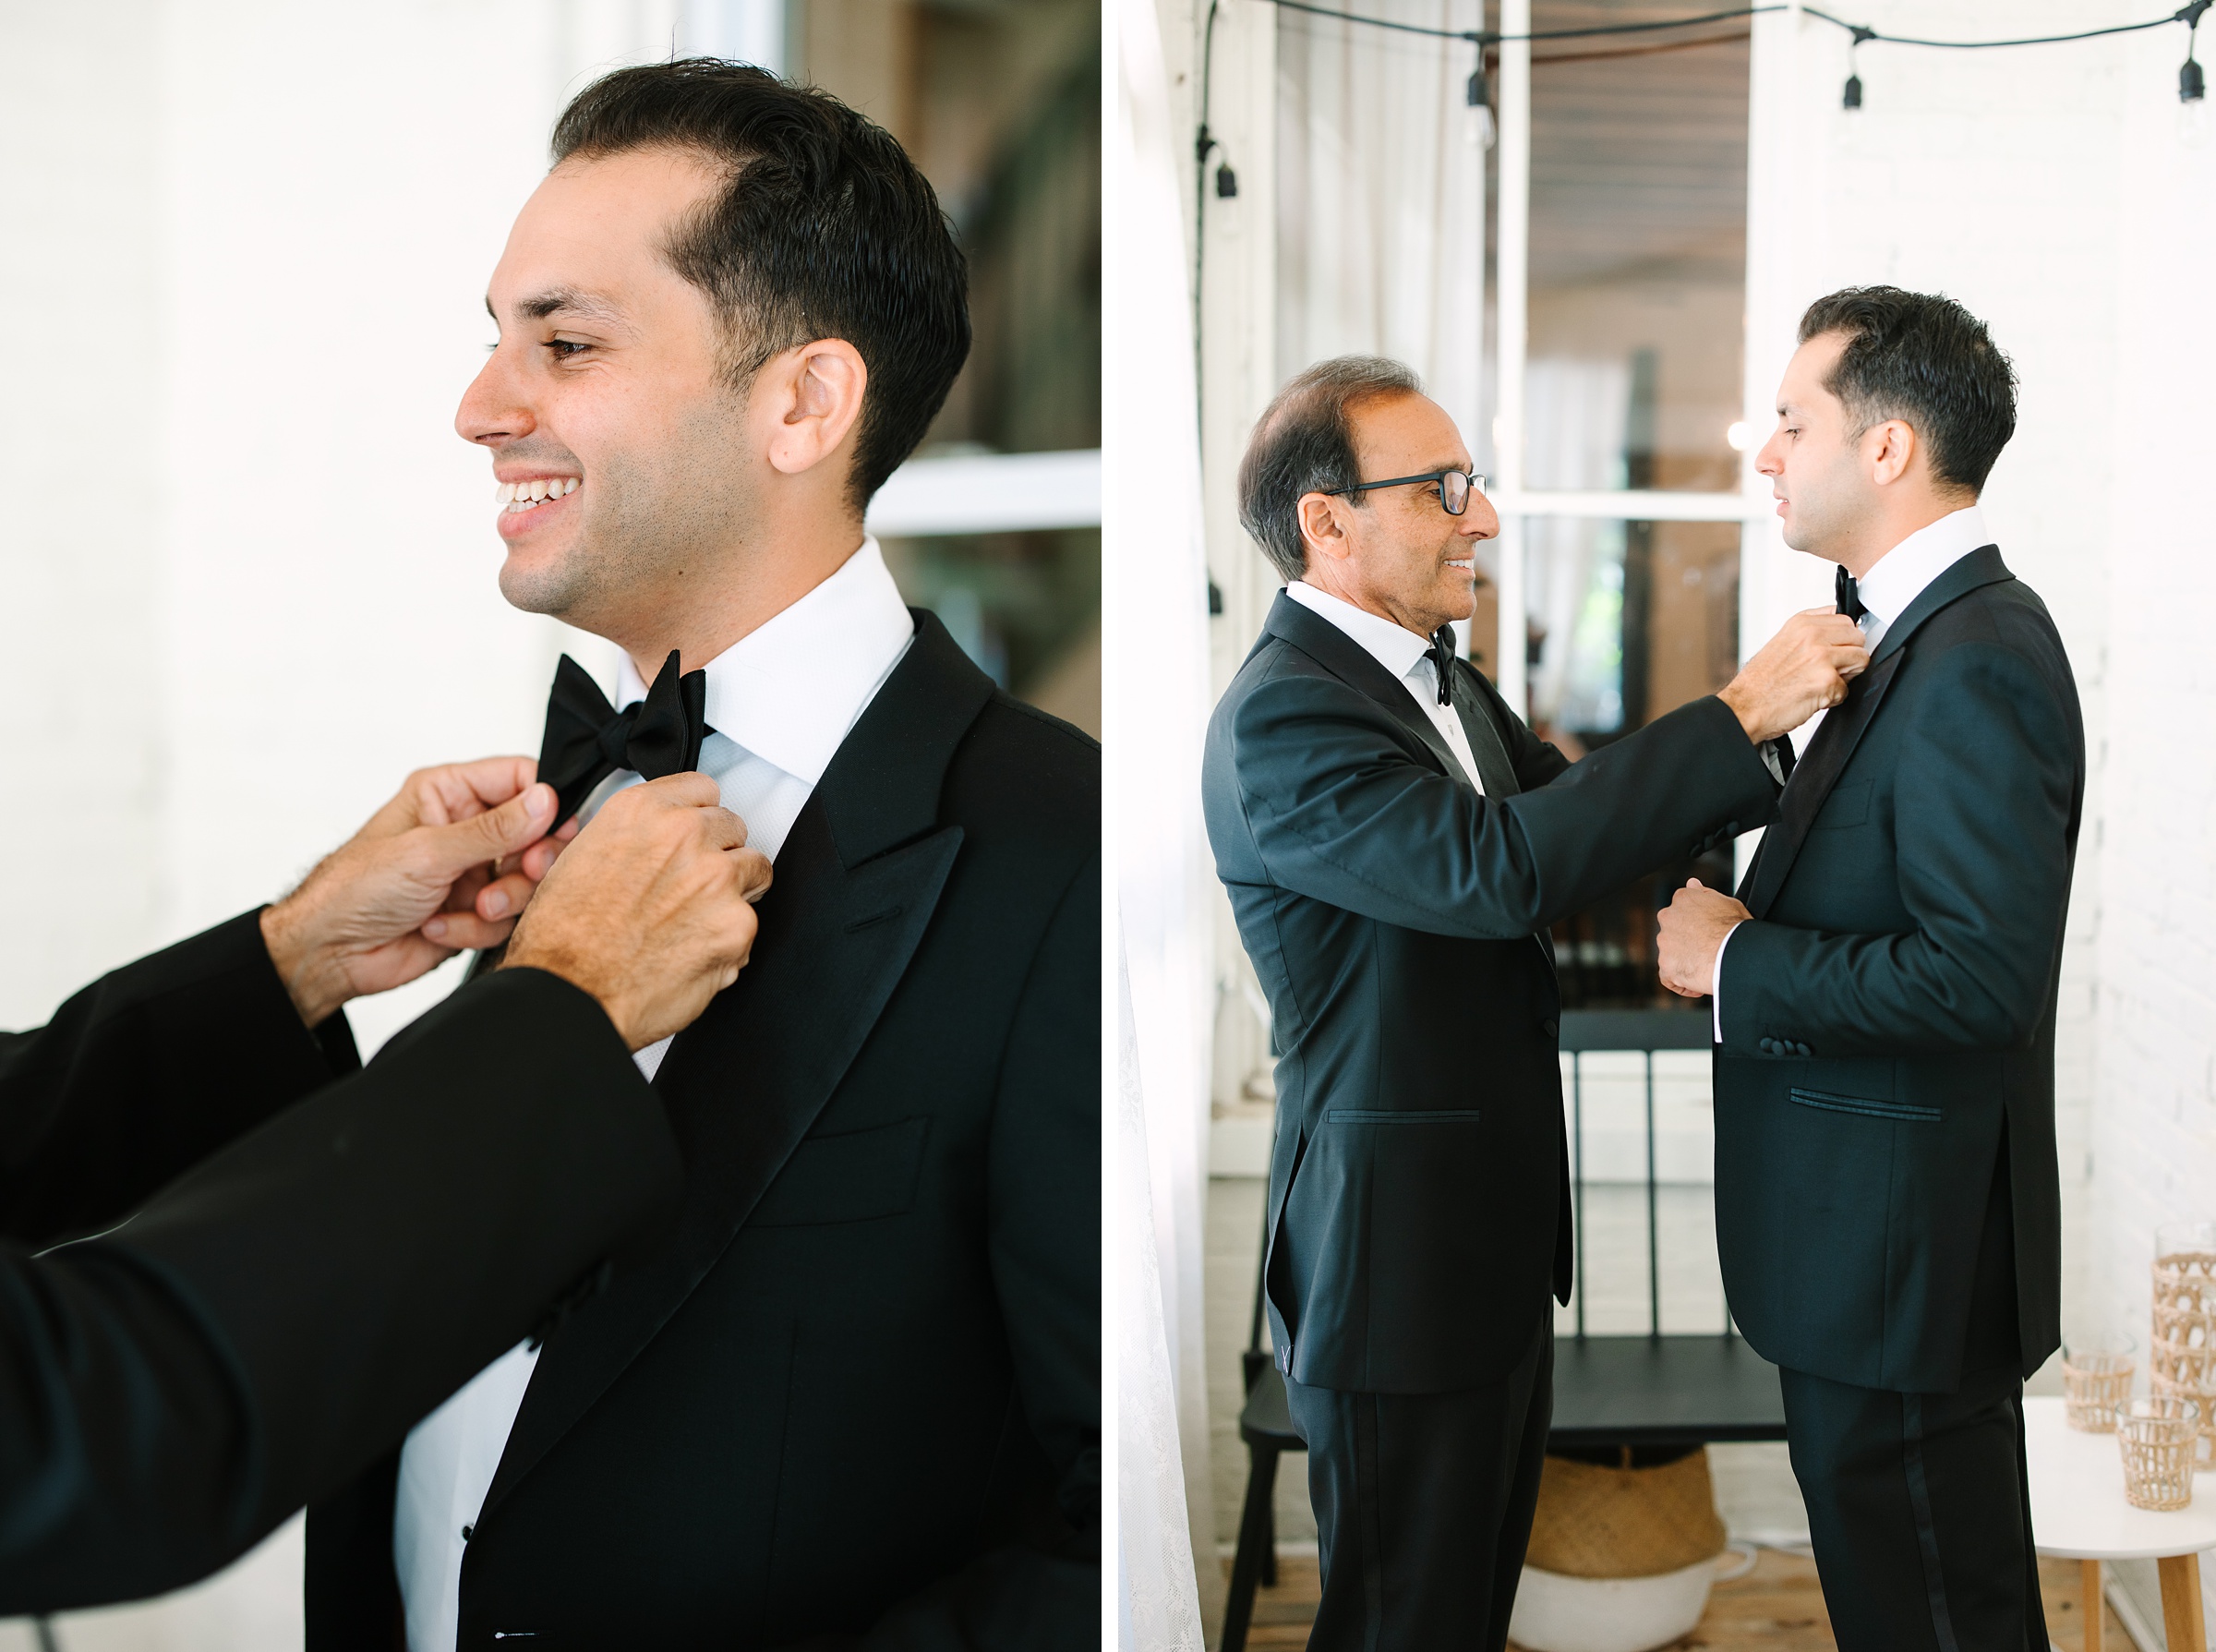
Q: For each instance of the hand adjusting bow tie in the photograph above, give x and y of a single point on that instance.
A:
(587, 740)
(1442, 662)
(1850, 595)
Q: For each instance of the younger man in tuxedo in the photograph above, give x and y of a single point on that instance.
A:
(1887, 1209)
(853, 1401)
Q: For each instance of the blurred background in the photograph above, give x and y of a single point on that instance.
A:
(246, 570)
(1594, 249)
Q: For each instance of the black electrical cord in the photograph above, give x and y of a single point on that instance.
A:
(1980, 46)
(1203, 143)
(2189, 14)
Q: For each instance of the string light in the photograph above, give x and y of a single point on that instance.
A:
(1481, 128)
(2192, 87)
(1853, 98)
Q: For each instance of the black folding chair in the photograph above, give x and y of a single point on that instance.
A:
(1651, 1389)
(1266, 1426)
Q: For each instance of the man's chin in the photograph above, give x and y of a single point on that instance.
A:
(538, 583)
(1458, 599)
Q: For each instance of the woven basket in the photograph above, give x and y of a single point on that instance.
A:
(1595, 1522)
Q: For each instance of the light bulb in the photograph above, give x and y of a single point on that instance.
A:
(1739, 436)
(1477, 127)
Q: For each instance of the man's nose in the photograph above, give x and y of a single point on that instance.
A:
(492, 410)
(1770, 461)
(1479, 520)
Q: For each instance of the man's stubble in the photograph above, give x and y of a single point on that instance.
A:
(650, 538)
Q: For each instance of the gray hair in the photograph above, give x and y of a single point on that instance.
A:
(1304, 443)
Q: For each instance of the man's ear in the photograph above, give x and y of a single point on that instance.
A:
(810, 398)
(1890, 448)
(1320, 529)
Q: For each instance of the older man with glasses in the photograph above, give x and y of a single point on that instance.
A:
(1396, 843)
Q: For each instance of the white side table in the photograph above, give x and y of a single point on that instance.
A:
(2078, 1513)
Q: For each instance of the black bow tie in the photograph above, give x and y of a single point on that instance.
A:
(587, 740)
(1850, 595)
(1442, 662)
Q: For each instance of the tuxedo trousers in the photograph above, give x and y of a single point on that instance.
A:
(1918, 1504)
(1423, 1507)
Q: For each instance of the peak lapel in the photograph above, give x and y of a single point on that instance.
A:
(1357, 668)
(857, 882)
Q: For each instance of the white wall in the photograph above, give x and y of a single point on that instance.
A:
(246, 568)
(2153, 1141)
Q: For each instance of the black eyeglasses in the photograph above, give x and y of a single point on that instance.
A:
(1454, 487)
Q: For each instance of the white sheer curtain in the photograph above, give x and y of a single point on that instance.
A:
(1381, 198)
(1155, 586)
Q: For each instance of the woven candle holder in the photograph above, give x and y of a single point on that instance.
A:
(2184, 1296)
(2182, 1358)
(2096, 1379)
(2203, 1401)
(2157, 1434)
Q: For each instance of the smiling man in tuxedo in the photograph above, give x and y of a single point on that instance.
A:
(1887, 1208)
(1395, 843)
(853, 1401)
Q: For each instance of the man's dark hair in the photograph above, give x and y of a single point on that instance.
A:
(824, 229)
(1305, 443)
(1923, 359)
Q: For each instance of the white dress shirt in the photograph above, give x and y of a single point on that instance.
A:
(781, 700)
(1403, 653)
(1894, 582)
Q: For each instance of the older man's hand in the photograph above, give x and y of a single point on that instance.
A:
(651, 911)
(1693, 927)
(443, 867)
(1802, 671)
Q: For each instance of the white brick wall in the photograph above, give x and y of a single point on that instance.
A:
(2153, 1136)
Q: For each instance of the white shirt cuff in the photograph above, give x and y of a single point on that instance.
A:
(1715, 983)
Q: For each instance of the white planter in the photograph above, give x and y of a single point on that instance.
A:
(1555, 1613)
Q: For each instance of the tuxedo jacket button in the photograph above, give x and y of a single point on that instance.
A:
(1802, 1050)
(1550, 1028)
(1769, 1046)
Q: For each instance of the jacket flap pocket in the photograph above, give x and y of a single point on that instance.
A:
(1904, 1112)
(854, 1176)
(1395, 1115)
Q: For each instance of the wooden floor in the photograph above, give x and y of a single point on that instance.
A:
(1776, 1607)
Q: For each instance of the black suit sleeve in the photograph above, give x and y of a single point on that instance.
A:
(1986, 787)
(1536, 762)
(147, 1071)
(171, 1390)
(1339, 811)
(1041, 1592)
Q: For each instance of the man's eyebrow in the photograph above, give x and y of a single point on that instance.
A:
(561, 301)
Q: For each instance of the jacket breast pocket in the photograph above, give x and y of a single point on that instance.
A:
(1847, 805)
(857, 1175)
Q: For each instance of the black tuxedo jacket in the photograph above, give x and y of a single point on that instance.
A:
(1419, 1196)
(855, 1401)
(1888, 1017)
(175, 1387)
